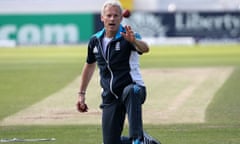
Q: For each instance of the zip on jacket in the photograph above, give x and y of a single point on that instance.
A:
(106, 58)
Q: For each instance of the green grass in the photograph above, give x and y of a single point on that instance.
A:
(182, 56)
(28, 75)
(224, 108)
(167, 134)
(87, 134)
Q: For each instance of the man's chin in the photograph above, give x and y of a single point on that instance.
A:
(112, 29)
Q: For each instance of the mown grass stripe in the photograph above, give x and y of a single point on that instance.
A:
(224, 107)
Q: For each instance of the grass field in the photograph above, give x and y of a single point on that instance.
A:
(28, 75)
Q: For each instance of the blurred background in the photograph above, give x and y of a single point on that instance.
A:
(61, 22)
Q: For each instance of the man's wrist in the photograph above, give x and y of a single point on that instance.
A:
(82, 93)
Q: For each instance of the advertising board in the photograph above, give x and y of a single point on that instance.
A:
(34, 29)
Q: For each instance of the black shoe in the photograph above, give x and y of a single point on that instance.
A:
(149, 140)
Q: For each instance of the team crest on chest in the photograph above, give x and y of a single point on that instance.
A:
(117, 47)
(95, 50)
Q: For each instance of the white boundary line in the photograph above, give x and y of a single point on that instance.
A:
(26, 140)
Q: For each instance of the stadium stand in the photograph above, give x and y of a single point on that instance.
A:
(219, 19)
(27, 6)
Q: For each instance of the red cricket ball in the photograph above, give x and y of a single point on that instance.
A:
(126, 13)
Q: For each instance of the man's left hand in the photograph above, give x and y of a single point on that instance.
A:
(129, 35)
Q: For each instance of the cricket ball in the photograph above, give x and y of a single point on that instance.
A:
(126, 13)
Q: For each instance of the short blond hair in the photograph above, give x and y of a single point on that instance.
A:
(116, 3)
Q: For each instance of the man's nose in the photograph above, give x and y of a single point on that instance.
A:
(112, 17)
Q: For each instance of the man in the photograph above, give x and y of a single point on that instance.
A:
(116, 49)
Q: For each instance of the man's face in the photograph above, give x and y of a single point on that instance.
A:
(111, 18)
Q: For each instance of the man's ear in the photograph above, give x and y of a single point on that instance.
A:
(102, 19)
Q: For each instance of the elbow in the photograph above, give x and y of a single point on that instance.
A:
(146, 49)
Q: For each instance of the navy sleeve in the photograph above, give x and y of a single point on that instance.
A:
(90, 55)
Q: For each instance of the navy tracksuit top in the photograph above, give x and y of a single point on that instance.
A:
(118, 67)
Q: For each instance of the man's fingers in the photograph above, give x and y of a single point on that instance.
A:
(82, 107)
(128, 28)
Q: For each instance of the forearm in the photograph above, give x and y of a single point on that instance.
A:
(87, 73)
(141, 46)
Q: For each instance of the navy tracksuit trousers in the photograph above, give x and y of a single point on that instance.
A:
(113, 115)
